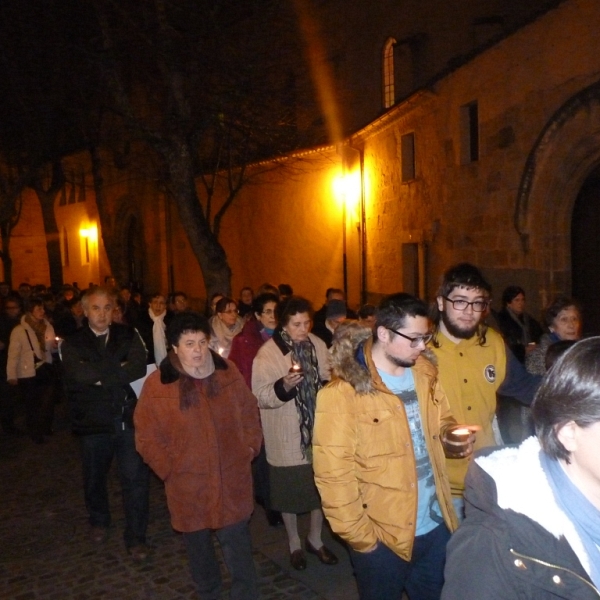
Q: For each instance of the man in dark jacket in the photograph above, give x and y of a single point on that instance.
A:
(100, 362)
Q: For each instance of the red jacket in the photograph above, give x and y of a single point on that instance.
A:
(202, 453)
(245, 347)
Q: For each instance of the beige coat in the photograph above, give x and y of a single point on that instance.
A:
(20, 364)
(279, 419)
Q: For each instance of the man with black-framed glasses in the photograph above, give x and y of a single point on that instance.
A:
(380, 434)
(474, 363)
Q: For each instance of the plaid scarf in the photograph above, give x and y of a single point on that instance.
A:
(304, 353)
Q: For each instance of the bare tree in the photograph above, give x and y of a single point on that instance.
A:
(208, 94)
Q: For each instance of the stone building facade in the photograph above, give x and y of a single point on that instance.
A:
(495, 162)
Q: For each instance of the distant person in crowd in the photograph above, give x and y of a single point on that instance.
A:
(267, 288)
(29, 365)
(331, 294)
(244, 348)
(100, 361)
(152, 327)
(24, 291)
(71, 320)
(9, 396)
(366, 316)
(224, 326)
(521, 332)
(213, 303)
(254, 334)
(287, 373)
(119, 308)
(285, 291)
(110, 283)
(379, 465)
(334, 316)
(563, 320)
(245, 302)
(49, 306)
(131, 310)
(533, 512)
(197, 426)
(518, 328)
(473, 362)
(178, 302)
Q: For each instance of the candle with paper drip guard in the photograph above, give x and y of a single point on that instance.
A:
(457, 440)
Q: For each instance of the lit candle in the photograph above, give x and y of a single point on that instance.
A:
(220, 351)
(457, 440)
(296, 368)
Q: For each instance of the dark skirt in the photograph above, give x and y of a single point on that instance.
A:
(293, 489)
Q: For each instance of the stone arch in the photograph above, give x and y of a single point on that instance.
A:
(565, 153)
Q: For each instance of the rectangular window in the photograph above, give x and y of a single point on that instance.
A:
(469, 133)
(407, 152)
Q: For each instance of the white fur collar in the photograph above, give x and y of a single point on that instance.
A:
(522, 486)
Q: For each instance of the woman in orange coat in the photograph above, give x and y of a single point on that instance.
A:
(197, 426)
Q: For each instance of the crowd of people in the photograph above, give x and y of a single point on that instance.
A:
(370, 420)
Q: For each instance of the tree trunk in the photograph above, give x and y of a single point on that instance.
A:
(5, 231)
(47, 198)
(209, 253)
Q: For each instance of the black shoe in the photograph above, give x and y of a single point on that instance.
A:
(324, 554)
(298, 560)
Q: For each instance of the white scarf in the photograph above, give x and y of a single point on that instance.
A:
(222, 336)
(158, 336)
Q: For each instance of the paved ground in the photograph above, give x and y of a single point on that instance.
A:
(45, 553)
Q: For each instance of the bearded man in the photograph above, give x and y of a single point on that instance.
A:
(474, 363)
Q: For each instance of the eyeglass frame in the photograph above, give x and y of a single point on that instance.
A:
(414, 342)
(471, 304)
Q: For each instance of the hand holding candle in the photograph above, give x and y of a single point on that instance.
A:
(458, 440)
(294, 376)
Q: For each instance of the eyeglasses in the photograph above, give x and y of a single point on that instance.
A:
(478, 305)
(414, 341)
(269, 311)
(231, 311)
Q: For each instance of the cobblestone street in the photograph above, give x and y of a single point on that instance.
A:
(45, 553)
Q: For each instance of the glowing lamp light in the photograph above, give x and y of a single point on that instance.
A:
(91, 233)
(347, 189)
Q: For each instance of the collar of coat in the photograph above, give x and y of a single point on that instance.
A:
(171, 369)
(351, 359)
(522, 486)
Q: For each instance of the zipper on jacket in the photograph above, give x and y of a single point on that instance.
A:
(546, 564)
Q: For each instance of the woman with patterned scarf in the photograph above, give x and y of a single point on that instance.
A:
(30, 366)
(287, 373)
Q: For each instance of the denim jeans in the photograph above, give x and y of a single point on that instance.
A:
(237, 551)
(383, 575)
(97, 453)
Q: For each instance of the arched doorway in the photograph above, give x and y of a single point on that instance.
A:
(585, 252)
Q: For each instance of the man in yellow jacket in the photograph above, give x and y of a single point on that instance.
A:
(378, 451)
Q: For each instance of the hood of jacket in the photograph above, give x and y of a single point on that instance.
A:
(519, 484)
(351, 358)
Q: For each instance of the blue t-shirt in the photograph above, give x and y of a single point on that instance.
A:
(429, 515)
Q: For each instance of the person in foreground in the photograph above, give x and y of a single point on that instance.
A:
(379, 453)
(198, 428)
(532, 527)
